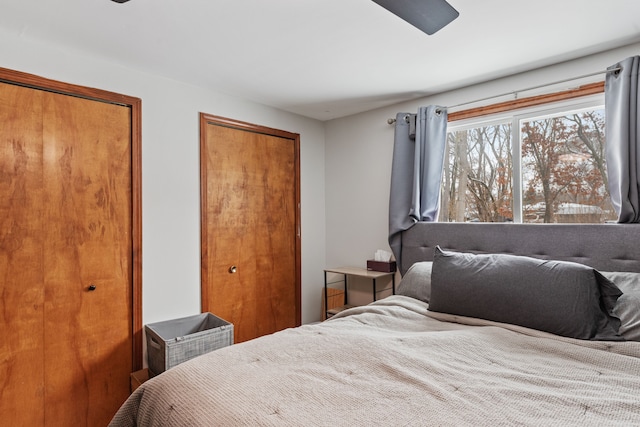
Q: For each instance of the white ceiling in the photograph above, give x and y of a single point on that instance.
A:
(325, 58)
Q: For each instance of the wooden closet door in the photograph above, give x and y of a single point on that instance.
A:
(21, 261)
(69, 251)
(250, 227)
(87, 259)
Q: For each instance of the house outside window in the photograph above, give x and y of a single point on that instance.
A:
(541, 164)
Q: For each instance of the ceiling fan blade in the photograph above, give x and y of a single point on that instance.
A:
(428, 16)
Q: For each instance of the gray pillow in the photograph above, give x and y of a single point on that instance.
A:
(416, 282)
(562, 298)
(627, 307)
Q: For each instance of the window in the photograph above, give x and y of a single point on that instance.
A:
(478, 170)
(541, 164)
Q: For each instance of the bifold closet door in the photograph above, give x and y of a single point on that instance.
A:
(21, 260)
(87, 258)
(65, 258)
(250, 227)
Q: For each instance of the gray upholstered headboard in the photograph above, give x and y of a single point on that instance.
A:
(607, 247)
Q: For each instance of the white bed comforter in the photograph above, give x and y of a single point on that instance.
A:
(392, 363)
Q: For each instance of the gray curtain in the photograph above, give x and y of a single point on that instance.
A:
(622, 131)
(416, 171)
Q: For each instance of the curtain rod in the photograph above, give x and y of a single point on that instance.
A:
(515, 92)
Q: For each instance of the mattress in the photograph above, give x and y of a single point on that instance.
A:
(394, 362)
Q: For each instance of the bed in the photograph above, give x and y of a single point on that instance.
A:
(451, 348)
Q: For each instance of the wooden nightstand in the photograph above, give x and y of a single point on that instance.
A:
(347, 272)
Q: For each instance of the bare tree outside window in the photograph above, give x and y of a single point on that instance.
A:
(563, 175)
(478, 172)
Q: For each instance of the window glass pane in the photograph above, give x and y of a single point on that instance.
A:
(563, 169)
(477, 181)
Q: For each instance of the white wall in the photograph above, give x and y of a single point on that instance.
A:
(170, 170)
(345, 166)
(359, 153)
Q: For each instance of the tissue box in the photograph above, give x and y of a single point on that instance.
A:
(385, 267)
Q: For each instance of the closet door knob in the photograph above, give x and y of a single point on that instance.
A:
(233, 269)
(92, 287)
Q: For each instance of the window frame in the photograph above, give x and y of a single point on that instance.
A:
(585, 97)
